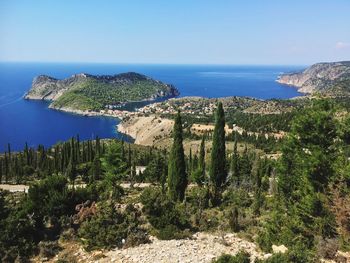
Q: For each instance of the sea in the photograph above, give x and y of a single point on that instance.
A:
(27, 121)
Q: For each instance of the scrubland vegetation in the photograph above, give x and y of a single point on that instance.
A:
(77, 191)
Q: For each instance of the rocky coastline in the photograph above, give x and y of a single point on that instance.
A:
(318, 78)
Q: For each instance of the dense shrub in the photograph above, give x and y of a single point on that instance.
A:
(237, 197)
(110, 227)
(18, 236)
(327, 248)
(48, 249)
(167, 217)
(240, 257)
(136, 237)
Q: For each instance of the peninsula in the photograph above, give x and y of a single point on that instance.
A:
(84, 92)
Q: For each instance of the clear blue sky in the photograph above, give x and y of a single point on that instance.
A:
(175, 31)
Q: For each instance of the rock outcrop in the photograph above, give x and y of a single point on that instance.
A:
(321, 77)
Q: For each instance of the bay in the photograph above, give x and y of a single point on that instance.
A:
(24, 121)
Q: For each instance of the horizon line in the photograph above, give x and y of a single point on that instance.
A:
(156, 63)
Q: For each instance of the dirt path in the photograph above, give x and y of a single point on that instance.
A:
(24, 188)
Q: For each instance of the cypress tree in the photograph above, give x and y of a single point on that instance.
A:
(177, 177)
(123, 151)
(88, 157)
(6, 168)
(189, 168)
(163, 177)
(245, 167)
(78, 149)
(235, 164)
(90, 152)
(218, 171)
(26, 152)
(98, 146)
(103, 148)
(95, 171)
(71, 154)
(9, 169)
(129, 157)
(234, 224)
(1, 165)
(195, 164)
(83, 153)
(202, 161)
(71, 172)
(133, 173)
(199, 171)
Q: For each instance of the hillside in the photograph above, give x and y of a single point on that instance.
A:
(89, 92)
(329, 78)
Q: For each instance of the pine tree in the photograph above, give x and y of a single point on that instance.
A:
(177, 177)
(113, 163)
(307, 172)
(218, 171)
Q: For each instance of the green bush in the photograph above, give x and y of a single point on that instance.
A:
(298, 253)
(275, 258)
(240, 257)
(48, 249)
(18, 236)
(237, 197)
(110, 228)
(167, 217)
(136, 237)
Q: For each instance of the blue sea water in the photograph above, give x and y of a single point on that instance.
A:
(31, 121)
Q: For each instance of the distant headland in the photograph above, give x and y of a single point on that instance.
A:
(324, 78)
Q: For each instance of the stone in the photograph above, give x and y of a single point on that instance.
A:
(279, 249)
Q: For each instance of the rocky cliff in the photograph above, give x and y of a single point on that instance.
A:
(89, 92)
(320, 77)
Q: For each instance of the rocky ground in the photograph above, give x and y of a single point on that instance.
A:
(14, 187)
(201, 248)
(146, 130)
